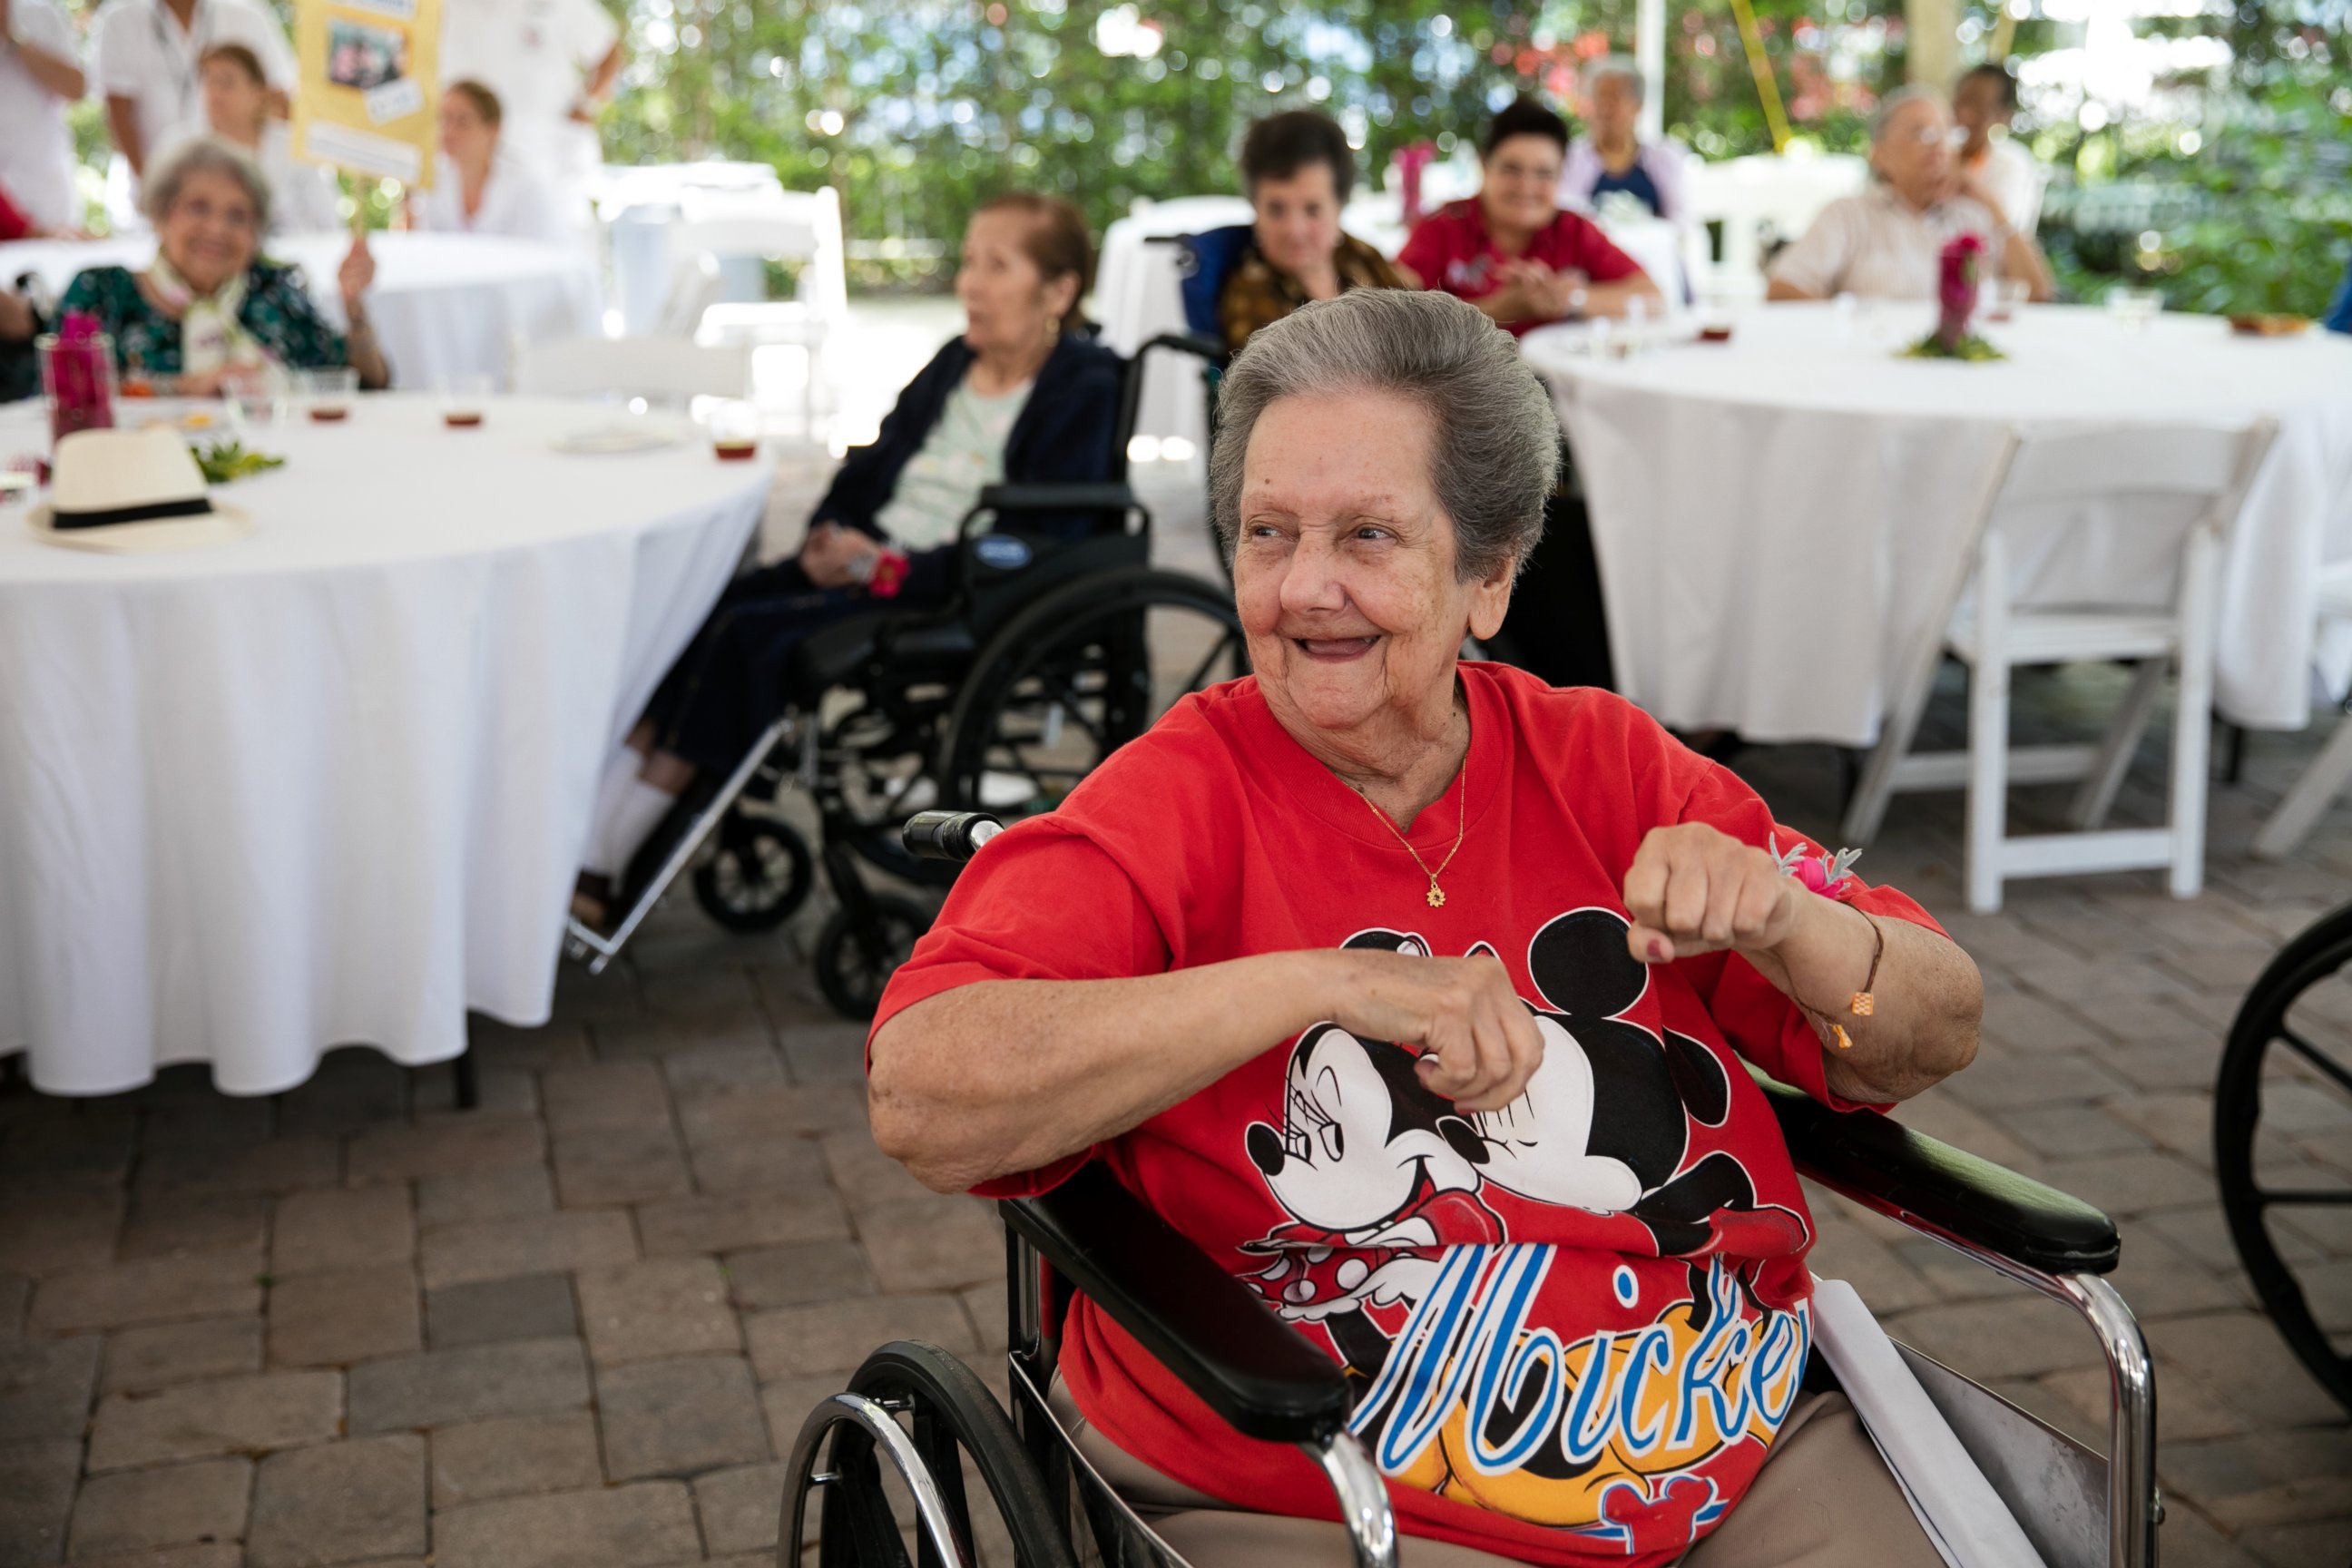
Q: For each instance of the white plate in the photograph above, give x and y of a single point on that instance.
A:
(607, 440)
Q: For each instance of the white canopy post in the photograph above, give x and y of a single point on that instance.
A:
(1650, 54)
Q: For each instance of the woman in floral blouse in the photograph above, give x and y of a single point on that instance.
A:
(208, 310)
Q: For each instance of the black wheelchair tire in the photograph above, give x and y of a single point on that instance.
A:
(2316, 955)
(850, 978)
(951, 1409)
(738, 845)
(1017, 648)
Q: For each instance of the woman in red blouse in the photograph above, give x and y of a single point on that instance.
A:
(1418, 992)
(1510, 250)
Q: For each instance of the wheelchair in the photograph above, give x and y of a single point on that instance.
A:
(914, 1421)
(2289, 1051)
(1047, 657)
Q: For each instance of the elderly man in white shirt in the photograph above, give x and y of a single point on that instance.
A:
(147, 58)
(550, 63)
(1887, 242)
(40, 76)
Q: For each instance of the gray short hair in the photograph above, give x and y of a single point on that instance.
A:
(1892, 104)
(205, 155)
(1494, 443)
(1624, 66)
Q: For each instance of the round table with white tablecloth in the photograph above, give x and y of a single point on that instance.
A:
(444, 304)
(1773, 516)
(329, 783)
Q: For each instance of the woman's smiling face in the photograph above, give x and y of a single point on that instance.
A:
(1344, 567)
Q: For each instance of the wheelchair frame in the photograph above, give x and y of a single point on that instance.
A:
(1091, 1235)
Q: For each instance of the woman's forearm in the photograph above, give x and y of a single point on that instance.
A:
(366, 355)
(1926, 999)
(1005, 1076)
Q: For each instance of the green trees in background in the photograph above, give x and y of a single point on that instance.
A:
(917, 110)
(2224, 181)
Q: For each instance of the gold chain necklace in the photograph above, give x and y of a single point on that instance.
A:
(1461, 821)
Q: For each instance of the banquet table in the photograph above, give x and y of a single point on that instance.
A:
(1776, 517)
(330, 783)
(445, 305)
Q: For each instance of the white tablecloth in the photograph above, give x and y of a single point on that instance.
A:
(444, 304)
(1772, 515)
(329, 783)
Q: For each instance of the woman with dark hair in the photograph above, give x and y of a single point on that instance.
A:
(482, 188)
(1025, 396)
(1297, 170)
(1510, 250)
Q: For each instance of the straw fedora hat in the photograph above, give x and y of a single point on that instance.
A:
(133, 493)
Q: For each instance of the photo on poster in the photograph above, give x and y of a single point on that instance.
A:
(365, 58)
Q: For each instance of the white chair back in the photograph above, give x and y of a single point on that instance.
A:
(2209, 461)
(656, 369)
(1762, 194)
(774, 226)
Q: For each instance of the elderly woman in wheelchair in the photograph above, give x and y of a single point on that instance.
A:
(1417, 993)
(1024, 395)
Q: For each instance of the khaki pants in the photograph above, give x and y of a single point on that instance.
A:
(1824, 1500)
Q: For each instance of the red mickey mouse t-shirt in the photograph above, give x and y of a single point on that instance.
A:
(1573, 1326)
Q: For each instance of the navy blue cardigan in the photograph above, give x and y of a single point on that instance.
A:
(1064, 435)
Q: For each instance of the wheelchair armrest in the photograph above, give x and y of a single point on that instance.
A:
(1909, 1177)
(1199, 345)
(1002, 499)
(1260, 1377)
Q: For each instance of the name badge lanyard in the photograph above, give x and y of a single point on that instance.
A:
(180, 61)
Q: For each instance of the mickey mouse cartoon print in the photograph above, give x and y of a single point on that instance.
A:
(1443, 1255)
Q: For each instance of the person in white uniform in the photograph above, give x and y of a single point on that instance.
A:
(148, 56)
(482, 188)
(40, 76)
(2005, 173)
(1888, 243)
(303, 197)
(550, 63)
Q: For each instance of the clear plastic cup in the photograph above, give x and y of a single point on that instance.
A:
(2132, 309)
(326, 396)
(465, 401)
(734, 427)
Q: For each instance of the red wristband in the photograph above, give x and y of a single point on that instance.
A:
(889, 574)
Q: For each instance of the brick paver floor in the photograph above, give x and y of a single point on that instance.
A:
(582, 1323)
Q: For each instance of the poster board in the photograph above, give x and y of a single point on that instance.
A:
(369, 93)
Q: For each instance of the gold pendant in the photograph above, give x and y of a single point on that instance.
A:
(1437, 895)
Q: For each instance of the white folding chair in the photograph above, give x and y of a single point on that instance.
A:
(659, 370)
(2167, 471)
(2324, 777)
(778, 226)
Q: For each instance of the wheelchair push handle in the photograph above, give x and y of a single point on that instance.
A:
(954, 836)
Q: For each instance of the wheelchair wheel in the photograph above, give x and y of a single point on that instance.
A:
(2284, 1095)
(1077, 675)
(757, 876)
(851, 976)
(946, 1425)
